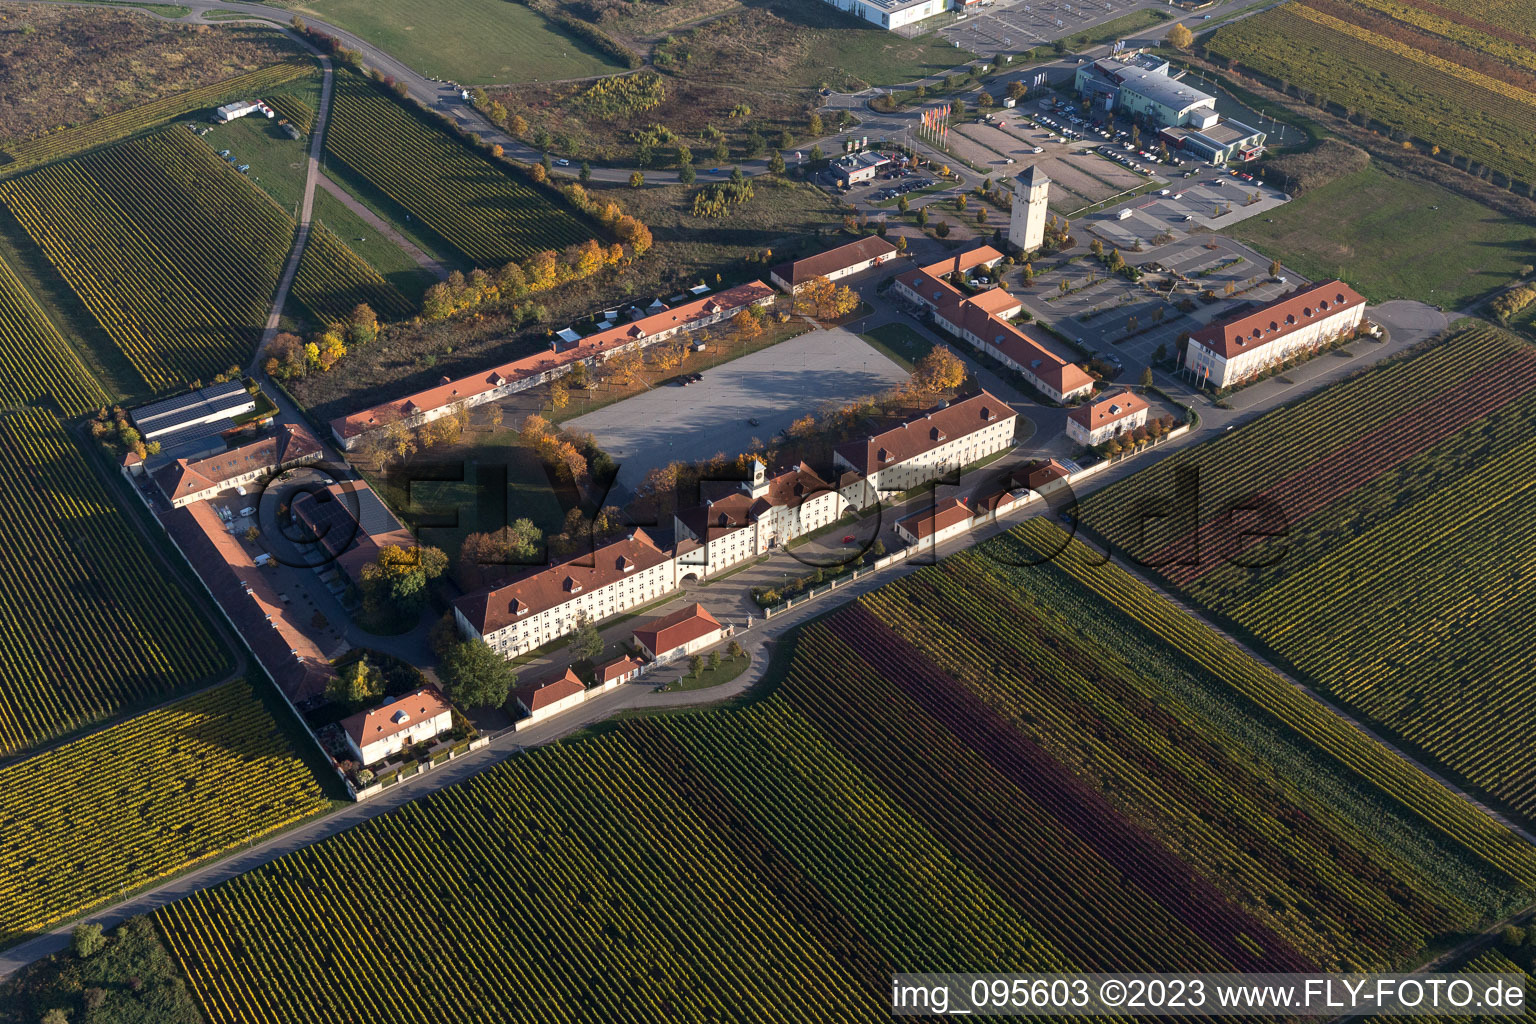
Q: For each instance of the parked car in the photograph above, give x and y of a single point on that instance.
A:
(753, 422)
(562, 162)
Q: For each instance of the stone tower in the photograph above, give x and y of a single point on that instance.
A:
(1026, 224)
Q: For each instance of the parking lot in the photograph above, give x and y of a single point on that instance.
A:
(1013, 27)
(773, 387)
(1210, 201)
(1099, 307)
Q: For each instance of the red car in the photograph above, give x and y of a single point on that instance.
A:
(849, 539)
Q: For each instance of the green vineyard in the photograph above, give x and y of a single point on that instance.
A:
(476, 207)
(332, 280)
(1047, 769)
(1432, 99)
(89, 626)
(142, 800)
(1406, 500)
(136, 119)
(36, 363)
(171, 250)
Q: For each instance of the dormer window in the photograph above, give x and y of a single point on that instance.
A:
(400, 717)
(883, 455)
(571, 585)
(937, 434)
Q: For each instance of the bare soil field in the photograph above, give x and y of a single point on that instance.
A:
(62, 66)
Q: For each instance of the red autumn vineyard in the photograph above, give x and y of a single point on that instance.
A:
(1047, 768)
(1405, 493)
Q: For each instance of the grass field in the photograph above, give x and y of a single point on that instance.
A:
(1124, 27)
(144, 799)
(476, 42)
(1049, 769)
(383, 255)
(900, 343)
(174, 254)
(1404, 500)
(1392, 236)
(1446, 93)
(90, 626)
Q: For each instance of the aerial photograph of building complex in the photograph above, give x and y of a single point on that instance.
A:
(804, 511)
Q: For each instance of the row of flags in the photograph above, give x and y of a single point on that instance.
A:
(935, 121)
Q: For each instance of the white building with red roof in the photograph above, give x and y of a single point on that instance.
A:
(620, 670)
(184, 481)
(448, 395)
(546, 604)
(934, 525)
(926, 448)
(834, 264)
(401, 722)
(982, 320)
(679, 634)
(550, 696)
(765, 513)
(1105, 417)
(1240, 348)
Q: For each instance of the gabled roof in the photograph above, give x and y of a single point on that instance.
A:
(351, 523)
(288, 445)
(449, 391)
(494, 608)
(929, 521)
(1108, 409)
(395, 717)
(535, 697)
(833, 260)
(739, 509)
(619, 667)
(925, 432)
(673, 631)
(961, 262)
(1290, 312)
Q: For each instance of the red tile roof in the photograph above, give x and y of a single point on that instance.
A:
(535, 697)
(1043, 473)
(496, 607)
(620, 667)
(926, 432)
(1289, 313)
(739, 509)
(450, 391)
(398, 716)
(964, 261)
(273, 632)
(1108, 409)
(833, 260)
(681, 627)
(924, 524)
(289, 445)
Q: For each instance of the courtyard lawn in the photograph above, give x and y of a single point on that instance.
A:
(729, 669)
(476, 42)
(1394, 237)
(900, 343)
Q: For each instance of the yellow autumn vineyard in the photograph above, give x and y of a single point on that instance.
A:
(142, 800)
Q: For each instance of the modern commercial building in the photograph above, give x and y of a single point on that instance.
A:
(765, 513)
(926, 448)
(1219, 143)
(448, 396)
(1240, 348)
(892, 13)
(206, 412)
(678, 635)
(834, 264)
(549, 603)
(184, 481)
(1105, 417)
(1026, 221)
(1140, 85)
(400, 722)
(855, 168)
